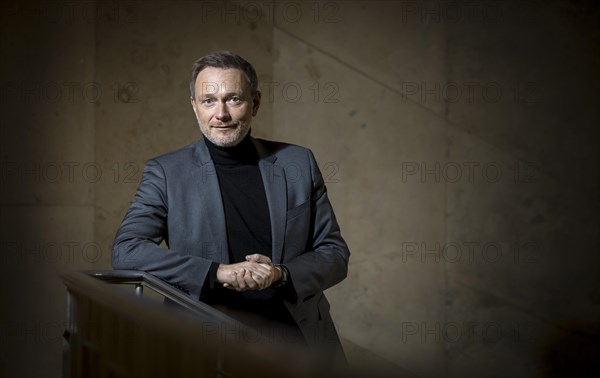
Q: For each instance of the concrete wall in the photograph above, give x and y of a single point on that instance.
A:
(458, 142)
(47, 211)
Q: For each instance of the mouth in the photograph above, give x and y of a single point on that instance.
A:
(223, 126)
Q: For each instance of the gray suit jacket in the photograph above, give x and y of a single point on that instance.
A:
(179, 201)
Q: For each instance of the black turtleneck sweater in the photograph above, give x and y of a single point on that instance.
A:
(248, 227)
(244, 199)
(248, 231)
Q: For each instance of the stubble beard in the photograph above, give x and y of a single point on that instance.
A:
(230, 139)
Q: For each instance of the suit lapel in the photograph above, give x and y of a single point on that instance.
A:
(273, 177)
(211, 203)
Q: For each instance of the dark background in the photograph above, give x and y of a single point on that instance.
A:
(458, 141)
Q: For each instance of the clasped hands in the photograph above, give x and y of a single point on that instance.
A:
(256, 273)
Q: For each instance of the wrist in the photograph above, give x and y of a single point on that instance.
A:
(221, 273)
(278, 273)
(282, 278)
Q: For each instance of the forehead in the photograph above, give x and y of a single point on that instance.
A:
(215, 80)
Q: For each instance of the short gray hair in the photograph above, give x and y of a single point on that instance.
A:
(224, 59)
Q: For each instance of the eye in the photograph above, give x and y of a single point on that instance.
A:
(208, 101)
(235, 99)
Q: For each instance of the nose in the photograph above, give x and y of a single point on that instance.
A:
(222, 113)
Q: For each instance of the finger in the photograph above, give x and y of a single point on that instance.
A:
(265, 281)
(250, 282)
(261, 281)
(232, 280)
(258, 269)
(261, 268)
(267, 268)
(253, 257)
(241, 283)
(259, 258)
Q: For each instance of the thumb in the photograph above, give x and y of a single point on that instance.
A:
(257, 257)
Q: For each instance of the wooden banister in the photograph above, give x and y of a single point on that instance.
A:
(112, 332)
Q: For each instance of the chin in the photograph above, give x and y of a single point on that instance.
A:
(227, 141)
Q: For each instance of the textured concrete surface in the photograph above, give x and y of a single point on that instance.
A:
(458, 141)
(360, 137)
(47, 190)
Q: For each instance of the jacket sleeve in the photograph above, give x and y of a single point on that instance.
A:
(325, 262)
(137, 243)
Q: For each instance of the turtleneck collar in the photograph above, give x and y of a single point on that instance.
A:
(243, 153)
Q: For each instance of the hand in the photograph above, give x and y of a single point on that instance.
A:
(256, 273)
(265, 261)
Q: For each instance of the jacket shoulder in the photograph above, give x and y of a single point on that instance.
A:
(283, 150)
(183, 154)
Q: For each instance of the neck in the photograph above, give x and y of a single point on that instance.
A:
(243, 153)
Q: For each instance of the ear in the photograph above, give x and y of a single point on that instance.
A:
(193, 102)
(255, 103)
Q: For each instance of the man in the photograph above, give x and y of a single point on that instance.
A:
(248, 223)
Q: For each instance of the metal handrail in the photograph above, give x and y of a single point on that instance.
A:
(232, 357)
(142, 279)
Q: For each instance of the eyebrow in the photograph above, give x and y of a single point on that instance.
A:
(226, 94)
